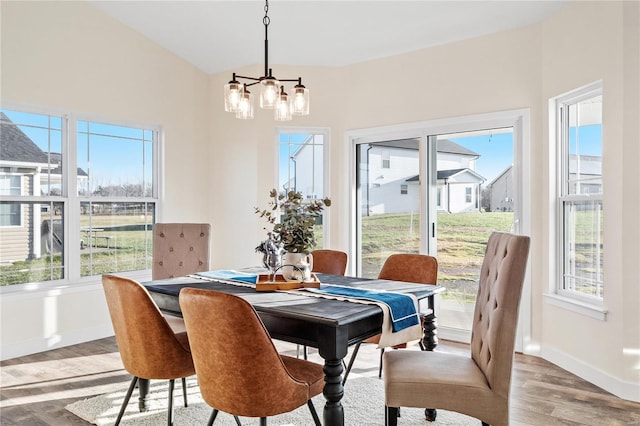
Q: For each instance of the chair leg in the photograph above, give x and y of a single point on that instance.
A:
(184, 391)
(430, 414)
(213, 416)
(172, 384)
(380, 368)
(391, 416)
(314, 413)
(237, 420)
(485, 424)
(134, 381)
(353, 358)
(263, 421)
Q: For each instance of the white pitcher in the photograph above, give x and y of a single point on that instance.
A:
(297, 266)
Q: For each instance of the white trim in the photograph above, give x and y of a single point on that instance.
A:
(326, 169)
(623, 389)
(454, 334)
(577, 306)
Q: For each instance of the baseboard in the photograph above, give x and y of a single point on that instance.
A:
(32, 346)
(620, 388)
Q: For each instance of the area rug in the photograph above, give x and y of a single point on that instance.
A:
(363, 405)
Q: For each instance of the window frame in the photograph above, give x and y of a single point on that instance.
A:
(71, 201)
(326, 169)
(564, 198)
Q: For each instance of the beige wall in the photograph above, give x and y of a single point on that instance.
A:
(69, 57)
(219, 168)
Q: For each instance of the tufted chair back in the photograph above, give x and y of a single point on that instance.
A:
(180, 249)
(496, 312)
(329, 262)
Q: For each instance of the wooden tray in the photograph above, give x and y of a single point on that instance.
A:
(264, 283)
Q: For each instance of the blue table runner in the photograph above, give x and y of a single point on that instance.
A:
(223, 274)
(402, 308)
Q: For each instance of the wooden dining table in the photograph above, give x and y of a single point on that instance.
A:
(329, 325)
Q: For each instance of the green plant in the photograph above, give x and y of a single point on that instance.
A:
(297, 219)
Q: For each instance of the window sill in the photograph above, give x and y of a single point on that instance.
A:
(583, 308)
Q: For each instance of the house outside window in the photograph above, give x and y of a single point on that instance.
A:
(580, 194)
(109, 188)
(404, 189)
(468, 194)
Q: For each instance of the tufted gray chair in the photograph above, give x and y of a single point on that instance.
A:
(477, 385)
(179, 249)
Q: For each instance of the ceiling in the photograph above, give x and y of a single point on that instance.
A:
(220, 36)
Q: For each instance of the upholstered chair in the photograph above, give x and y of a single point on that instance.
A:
(148, 346)
(329, 262)
(477, 385)
(179, 249)
(407, 267)
(248, 380)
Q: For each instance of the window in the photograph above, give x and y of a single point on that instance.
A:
(301, 157)
(386, 160)
(404, 189)
(10, 213)
(468, 191)
(580, 208)
(109, 188)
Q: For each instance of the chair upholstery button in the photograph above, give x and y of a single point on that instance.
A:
(160, 263)
(181, 235)
(190, 248)
(171, 249)
(201, 262)
(202, 234)
(181, 264)
(162, 234)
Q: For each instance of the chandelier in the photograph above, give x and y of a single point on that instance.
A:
(239, 100)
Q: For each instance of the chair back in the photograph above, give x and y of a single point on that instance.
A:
(180, 249)
(413, 268)
(239, 369)
(496, 313)
(329, 262)
(147, 345)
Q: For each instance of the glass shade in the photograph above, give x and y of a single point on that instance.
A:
(283, 111)
(245, 106)
(300, 100)
(269, 92)
(232, 95)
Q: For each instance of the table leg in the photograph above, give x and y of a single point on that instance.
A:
(143, 388)
(333, 391)
(430, 325)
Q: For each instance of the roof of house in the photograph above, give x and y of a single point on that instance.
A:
(16, 146)
(443, 145)
(446, 174)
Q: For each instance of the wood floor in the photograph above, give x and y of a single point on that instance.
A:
(36, 388)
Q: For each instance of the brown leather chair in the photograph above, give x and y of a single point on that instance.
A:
(407, 267)
(329, 262)
(179, 249)
(250, 380)
(148, 346)
(477, 385)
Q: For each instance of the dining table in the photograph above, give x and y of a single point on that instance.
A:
(330, 325)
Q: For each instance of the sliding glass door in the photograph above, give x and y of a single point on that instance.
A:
(439, 190)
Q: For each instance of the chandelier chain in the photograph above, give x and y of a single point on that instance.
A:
(266, 20)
